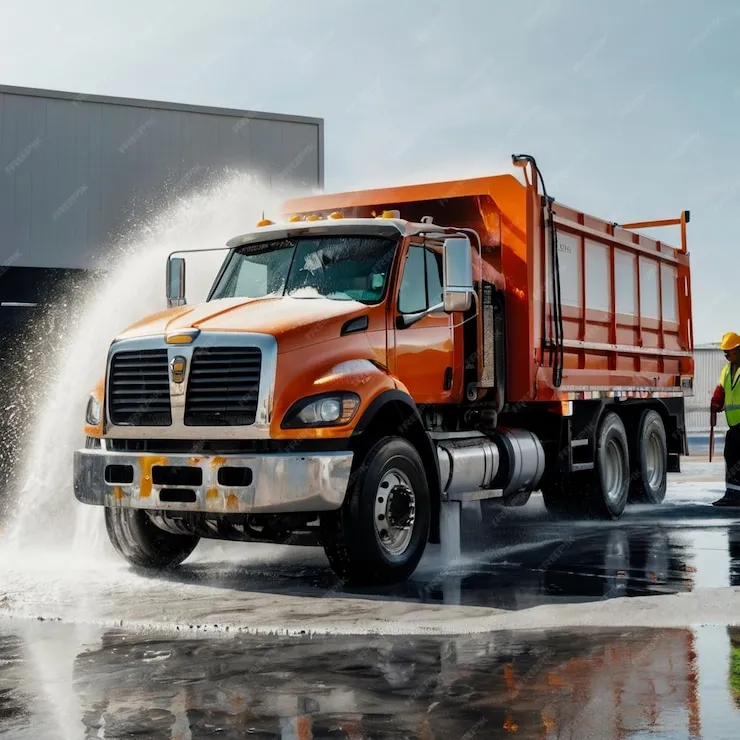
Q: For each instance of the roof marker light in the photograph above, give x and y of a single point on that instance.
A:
(295, 217)
(313, 217)
(336, 214)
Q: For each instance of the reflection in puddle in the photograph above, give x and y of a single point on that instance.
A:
(590, 684)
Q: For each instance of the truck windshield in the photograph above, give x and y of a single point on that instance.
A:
(339, 267)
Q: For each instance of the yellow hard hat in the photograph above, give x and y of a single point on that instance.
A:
(729, 341)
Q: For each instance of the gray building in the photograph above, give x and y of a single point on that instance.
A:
(708, 362)
(74, 167)
(76, 170)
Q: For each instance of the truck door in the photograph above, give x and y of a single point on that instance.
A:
(423, 353)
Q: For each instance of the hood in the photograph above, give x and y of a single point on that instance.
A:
(282, 317)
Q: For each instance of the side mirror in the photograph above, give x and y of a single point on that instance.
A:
(175, 281)
(457, 276)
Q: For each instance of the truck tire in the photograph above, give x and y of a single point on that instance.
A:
(379, 534)
(598, 494)
(134, 536)
(610, 483)
(649, 479)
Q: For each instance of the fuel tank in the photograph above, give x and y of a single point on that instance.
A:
(506, 462)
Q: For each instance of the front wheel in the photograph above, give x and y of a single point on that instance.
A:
(379, 534)
(134, 536)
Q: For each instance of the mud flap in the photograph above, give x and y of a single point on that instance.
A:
(674, 462)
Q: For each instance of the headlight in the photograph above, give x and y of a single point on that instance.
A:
(94, 411)
(326, 410)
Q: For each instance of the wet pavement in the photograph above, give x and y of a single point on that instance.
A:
(63, 682)
(526, 635)
(650, 552)
(516, 558)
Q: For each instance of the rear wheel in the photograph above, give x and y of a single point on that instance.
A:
(602, 492)
(650, 457)
(379, 534)
(134, 536)
(609, 487)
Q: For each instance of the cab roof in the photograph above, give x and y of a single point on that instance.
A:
(338, 227)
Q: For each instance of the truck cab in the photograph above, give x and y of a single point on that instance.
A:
(352, 379)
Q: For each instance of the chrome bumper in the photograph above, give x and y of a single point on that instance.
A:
(280, 482)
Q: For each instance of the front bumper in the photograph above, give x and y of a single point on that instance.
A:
(277, 482)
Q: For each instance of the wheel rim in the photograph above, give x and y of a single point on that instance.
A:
(654, 462)
(613, 472)
(395, 512)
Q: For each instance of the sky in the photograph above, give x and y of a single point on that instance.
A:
(632, 109)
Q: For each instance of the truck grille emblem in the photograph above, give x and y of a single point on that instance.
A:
(177, 369)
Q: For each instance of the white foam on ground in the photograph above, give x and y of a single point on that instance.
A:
(151, 605)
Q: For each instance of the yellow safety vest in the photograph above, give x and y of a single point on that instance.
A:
(732, 395)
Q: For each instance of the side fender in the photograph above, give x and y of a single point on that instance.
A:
(394, 412)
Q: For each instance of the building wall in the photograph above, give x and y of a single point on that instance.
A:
(708, 362)
(74, 168)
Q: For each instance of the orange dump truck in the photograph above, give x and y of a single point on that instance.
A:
(372, 361)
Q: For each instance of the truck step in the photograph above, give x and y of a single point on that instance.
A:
(577, 467)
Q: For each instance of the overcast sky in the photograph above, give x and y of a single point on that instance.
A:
(632, 109)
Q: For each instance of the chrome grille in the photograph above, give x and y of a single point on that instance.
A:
(139, 388)
(223, 386)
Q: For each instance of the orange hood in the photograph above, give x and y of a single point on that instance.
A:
(287, 319)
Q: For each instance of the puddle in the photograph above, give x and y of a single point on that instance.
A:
(528, 563)
(58, 681)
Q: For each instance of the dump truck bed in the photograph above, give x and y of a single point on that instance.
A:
(625, 298)
(626, 308)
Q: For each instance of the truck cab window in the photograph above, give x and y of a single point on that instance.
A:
(421, 286)
(434, 277)
(342, 268)
(251, 279)
(347, 268)
(256, 273)
(412, 296)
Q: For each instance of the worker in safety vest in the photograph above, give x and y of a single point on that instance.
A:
(727, 396)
